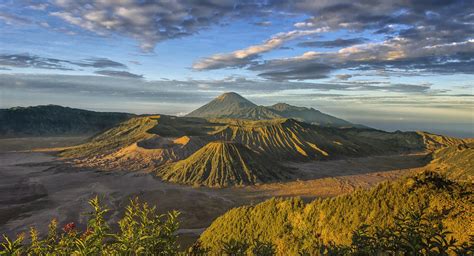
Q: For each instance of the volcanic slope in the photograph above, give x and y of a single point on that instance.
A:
(233, 105)
(288, 139)
(221, 164)
(141, 143)
(309, 115)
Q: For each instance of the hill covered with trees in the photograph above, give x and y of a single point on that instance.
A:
(293, 226)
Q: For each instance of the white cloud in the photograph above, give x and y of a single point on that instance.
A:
(244, 56)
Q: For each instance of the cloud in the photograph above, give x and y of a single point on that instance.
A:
(428, 37)
(397, 54)
(263, 23)
(424, 37)
(303, 72)
(12, 19)
(333, 43)
(112, 86)
(344, 77)
(100, 63)
(33, 61)
(150, 22)
(115, 73)
(244, 57)
(38, 6)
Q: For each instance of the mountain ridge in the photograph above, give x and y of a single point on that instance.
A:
(54, 120)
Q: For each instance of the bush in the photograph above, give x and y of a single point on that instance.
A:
(415, 232)
(142, 231)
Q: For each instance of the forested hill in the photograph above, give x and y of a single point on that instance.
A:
(292, 226)
(53, 120)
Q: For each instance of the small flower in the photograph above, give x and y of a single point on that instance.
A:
(69, 227)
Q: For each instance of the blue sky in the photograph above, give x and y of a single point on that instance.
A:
(393, 65)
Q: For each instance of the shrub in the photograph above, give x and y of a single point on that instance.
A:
(142, 231)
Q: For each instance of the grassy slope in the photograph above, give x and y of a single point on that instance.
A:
(292, 225)
(220, 164)
(120, 136)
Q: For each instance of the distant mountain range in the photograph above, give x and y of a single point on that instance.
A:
(53, 120)
(233, 105)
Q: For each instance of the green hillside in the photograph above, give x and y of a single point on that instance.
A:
(52, 120)
(221, 164)
(293, 226)
(115, 138)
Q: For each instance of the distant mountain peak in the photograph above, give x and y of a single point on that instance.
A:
(231, 96)
(228, 104)
(233, 105)
(282, 104)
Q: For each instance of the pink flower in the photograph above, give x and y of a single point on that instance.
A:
(69, 227)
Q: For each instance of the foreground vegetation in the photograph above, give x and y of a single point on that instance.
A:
(422, 215)
(142, 231)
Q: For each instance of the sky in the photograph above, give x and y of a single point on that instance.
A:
(389, 64)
